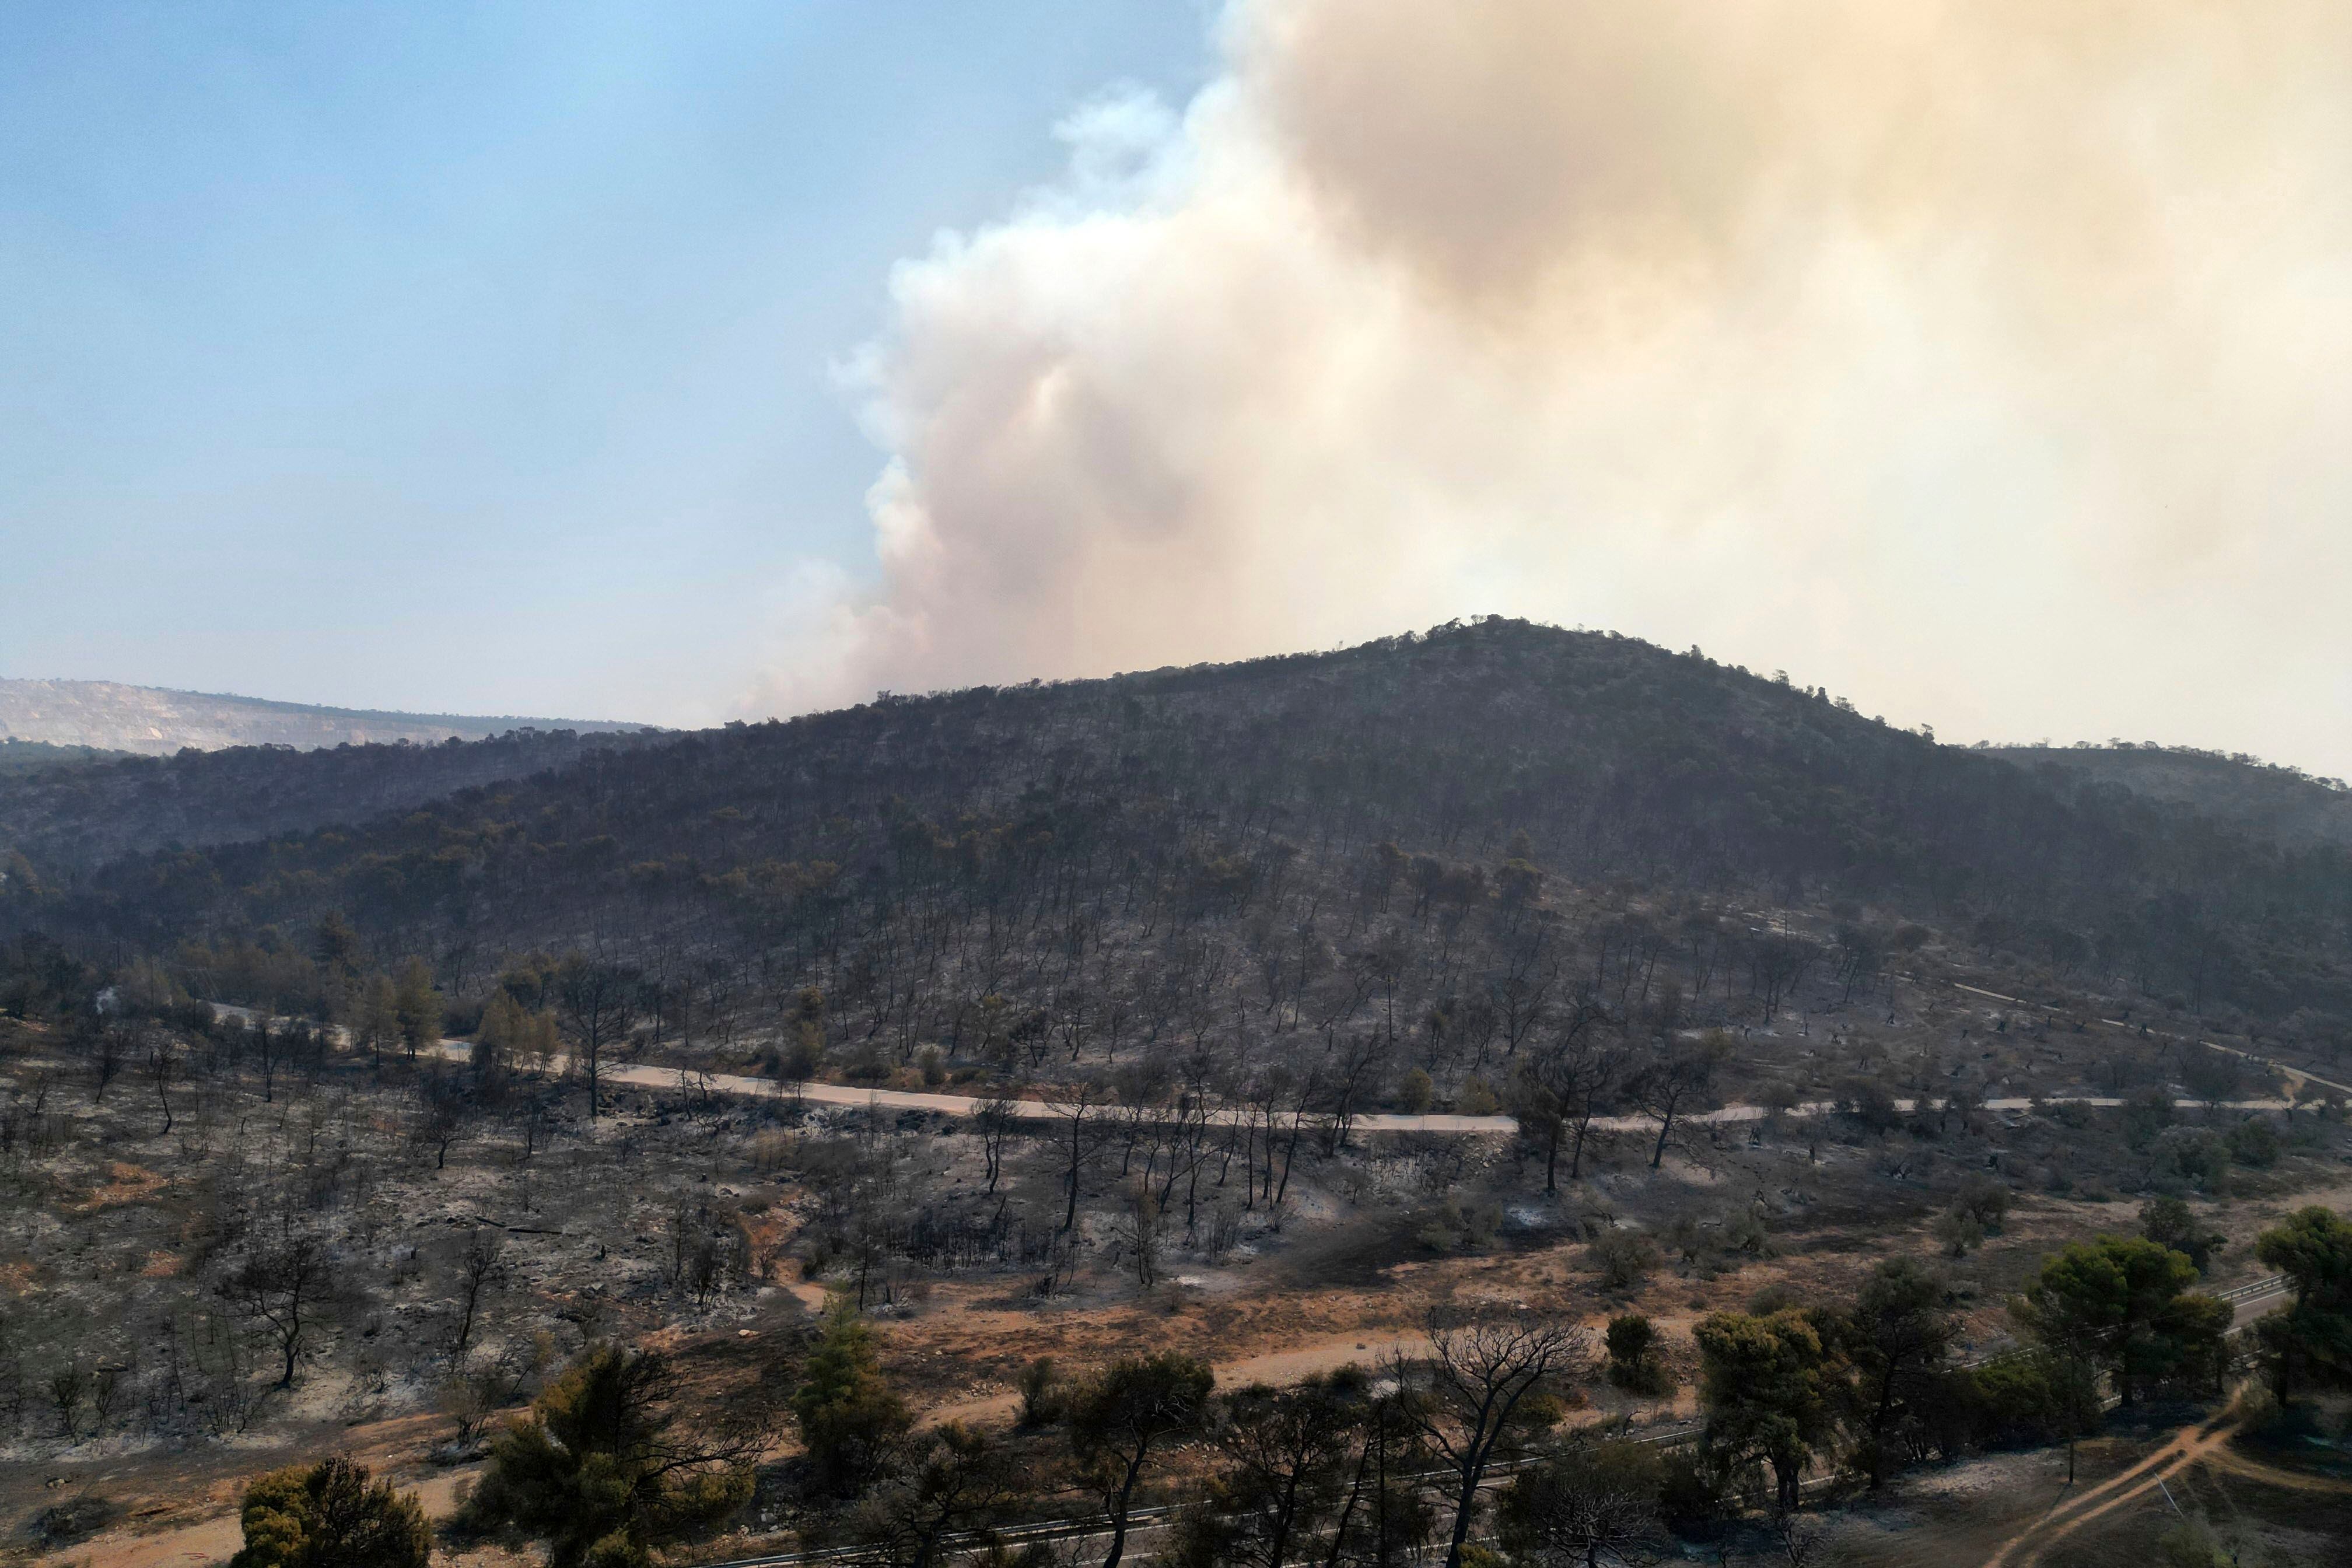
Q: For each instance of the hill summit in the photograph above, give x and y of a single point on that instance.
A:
(1429, 779)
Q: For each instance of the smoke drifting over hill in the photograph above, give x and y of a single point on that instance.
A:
(1935, 348)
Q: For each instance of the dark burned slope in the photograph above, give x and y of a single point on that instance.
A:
(2279, 804)
(32, 756)
(68, 820)
(1216, 792)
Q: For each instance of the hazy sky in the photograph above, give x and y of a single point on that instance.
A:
(1989, 360)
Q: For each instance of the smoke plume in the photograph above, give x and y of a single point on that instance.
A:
(1989, 361)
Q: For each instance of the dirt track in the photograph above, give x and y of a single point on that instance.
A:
(737, 1086)
(215, 1541)
(2176, 1454)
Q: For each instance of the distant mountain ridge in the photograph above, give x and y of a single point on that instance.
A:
(155, 722)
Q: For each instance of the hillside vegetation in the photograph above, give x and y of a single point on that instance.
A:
(2283, 805)
(914, 855)
(62, 821)
(27, 756)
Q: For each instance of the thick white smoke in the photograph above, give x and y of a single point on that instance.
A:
(1989, 361)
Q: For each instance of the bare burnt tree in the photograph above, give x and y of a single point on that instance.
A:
(162, 1061)
(1858, 955)
(955, 1480)
(1474, 1380)
(67, 1387)
(480, 1268)
(1777, 964)
(995, 1121)
(444, 1104)
(1521, 992)
(1082, 1141)
(268, 1053)
(596, 1005)
(1563, 1087)
(1353, 1066)
(1588, 1504)
(106, 1049)
(283, 1285)
(1678, 1076)
(1126, 1417)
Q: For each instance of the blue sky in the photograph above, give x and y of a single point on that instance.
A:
(479, 357)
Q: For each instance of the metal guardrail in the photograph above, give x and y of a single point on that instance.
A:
(2255, 1290)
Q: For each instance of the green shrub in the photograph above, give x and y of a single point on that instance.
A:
(1456, 1227)
(2026, 1400)
(2169, 1222)
(606, 1468)
(1621, 1257)
(1985, 1203)
(1746, 1234)
(849, 1418)
(329, 1515)
(1041, 1393)
(2254, 1142)
(2191, 1157)
(2193, 1543)
(1633, 1363)
(1691, 1497)
(2145, 1115)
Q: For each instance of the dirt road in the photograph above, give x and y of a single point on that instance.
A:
(2295, 1075)
(2177, 1453)
(684, 1081)
(215, 1540)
